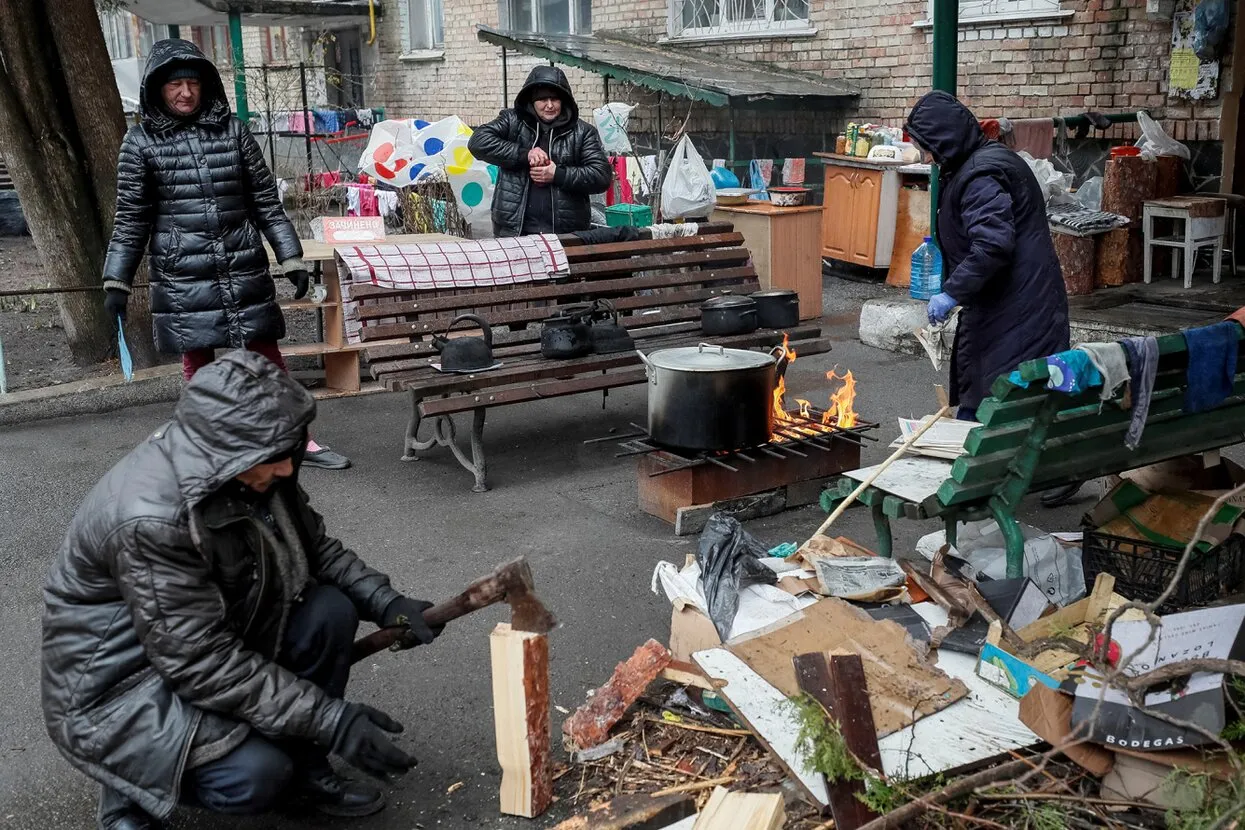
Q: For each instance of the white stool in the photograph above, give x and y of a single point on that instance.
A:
(1203, 219)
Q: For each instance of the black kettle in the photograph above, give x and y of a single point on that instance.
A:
(465, 354)
(608, 336)
(566, 333)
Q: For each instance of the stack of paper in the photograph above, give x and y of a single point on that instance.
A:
(943, 440)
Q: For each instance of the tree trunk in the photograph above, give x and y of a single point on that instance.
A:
(60, 128)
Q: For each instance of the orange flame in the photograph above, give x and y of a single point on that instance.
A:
(780, 391)
(842, 411)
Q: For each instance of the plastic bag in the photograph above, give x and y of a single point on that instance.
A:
(1054, 565)
(1089, 195)
(1155, 142)
(611, 121)
(1054, 183)
(728, 559)
(1210, 24)
(687, 190)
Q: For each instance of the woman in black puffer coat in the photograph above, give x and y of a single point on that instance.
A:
(193, 190)
(527, 198)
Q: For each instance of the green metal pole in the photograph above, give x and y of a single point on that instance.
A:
(239, 68)
(175, 30)
(946, 31)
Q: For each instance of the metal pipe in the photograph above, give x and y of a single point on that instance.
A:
(945, 35)
(505, 80)
(272, 153)
(175, 30)
(239, 70)
(308, 124)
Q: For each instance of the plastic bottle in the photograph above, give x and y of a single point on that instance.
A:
(926, 280)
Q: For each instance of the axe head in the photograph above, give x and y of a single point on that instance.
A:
(527, 612)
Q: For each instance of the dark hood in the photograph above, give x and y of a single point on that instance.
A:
(165, 54)
(238, 411)
(546, 76)
(946, 128)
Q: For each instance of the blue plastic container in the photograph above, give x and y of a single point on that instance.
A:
(926, 271)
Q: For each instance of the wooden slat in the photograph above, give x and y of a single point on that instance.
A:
(620, 250)
(552, 291)
(436, 325)
(570, 240)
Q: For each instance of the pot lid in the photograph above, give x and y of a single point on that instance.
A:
(728, 301)
(709, 358)
(777, 292)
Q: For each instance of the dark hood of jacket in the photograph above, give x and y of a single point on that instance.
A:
(238, 411)
(547, 76)
(165, 55)
(946, 128)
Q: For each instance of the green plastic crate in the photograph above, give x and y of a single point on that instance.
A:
(622, 216)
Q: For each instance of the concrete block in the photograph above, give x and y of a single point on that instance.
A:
(888, 324)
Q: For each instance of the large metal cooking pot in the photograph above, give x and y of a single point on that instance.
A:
(708, 397)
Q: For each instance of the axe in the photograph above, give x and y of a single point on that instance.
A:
(510, 583)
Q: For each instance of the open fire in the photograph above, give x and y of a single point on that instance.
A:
(840, 413)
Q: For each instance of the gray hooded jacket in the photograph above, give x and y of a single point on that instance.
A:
(164, 610)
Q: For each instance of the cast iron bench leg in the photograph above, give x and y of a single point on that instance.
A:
(882, 525)
(1013, 535)
(477, 450)
(444, 434)
(412, 443)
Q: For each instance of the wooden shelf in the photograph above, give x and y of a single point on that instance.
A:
(306, 305)
(327, 393)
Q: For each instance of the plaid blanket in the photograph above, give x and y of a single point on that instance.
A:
(481, 263)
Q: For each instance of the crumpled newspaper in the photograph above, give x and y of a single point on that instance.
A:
(938, 339)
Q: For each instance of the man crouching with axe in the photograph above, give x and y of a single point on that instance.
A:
(199, 621)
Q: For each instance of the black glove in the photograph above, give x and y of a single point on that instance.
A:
(115, 301)
(410, 612)
(301, 280)
(362, 740)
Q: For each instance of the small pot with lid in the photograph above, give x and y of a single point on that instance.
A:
(728, 314)
(777, 309)
(708, 398)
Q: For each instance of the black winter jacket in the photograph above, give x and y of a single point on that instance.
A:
(575, 147)
(197, 194)
(999, 261)
(154, 602)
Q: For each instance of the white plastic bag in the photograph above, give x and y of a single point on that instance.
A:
(1089, 194)
(1155, 142)
(687, 190)
(1051, 563)
(1055, 185)
(611, 121)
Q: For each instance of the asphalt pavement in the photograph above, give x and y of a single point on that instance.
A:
(568, 506)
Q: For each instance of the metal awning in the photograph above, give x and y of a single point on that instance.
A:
(314, 14)
(715, 80)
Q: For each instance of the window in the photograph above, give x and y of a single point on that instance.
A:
(213, 42)
(727, 18)
(427, 24)
(148, 34)
(276, 45)
(1003, 11)
(550, 17)
(117, 34)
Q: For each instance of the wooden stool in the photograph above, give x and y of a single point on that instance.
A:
(1203, 219)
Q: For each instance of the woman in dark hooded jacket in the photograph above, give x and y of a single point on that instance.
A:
(549, 162)
(999, 260)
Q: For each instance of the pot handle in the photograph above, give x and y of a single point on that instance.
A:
(703, 346)
(649, 369)
(479, 321)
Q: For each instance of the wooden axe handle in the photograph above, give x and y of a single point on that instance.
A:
(487, 591)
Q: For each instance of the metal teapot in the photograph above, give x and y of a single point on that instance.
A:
(465, 354)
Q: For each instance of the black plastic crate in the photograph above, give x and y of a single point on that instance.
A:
(1142, 569)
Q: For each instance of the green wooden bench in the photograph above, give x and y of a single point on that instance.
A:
(1034, 438)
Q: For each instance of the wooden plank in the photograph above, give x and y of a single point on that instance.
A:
(618, 250)
(520, 662)
(911, 228)
(693, 518)
(551, 291)
(766, 712)
(639, 811)
(437, 325)
(838, 684)
(980, 727)
(570, 240)
(741, 811)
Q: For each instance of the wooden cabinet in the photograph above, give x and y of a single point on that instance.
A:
(859, 211)
(785, 246)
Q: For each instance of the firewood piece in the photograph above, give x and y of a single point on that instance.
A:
(633, 812)
(1127, 182)
(592, 722)
(838, 684)
(741, 811)
(520, 662)
(1076, 261)
(1118, 261)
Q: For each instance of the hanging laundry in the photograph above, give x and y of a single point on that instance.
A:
(1071, 372)
(283, 187)
(368, 203)
(1110, 361)
(281, 122)
(301, 122)
(793, 171)
(635, 177)
(1035, 136)
(648, 167)
(388, 201)
(327, 121)
(329, 179)
(761, 172)
(352, 200)
(1143, 366)
(620, 191)
(1212, 365)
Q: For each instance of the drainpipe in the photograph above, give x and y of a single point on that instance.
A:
(239, 68)
(946, 30)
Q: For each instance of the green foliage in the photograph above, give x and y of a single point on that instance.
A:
(1048, 816)
(1217, 800)
(820, 742)
(881, 796)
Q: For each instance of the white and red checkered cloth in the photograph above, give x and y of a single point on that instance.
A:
(469, 263)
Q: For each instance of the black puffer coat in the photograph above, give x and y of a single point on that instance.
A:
(197, 193)
(999, 261)
(154, 601)
(575, 147)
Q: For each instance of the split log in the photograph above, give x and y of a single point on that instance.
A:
(1127, 183)
(521, 718)
(1076, 261)
(741, 811)
(592, 722)
(1119, 259)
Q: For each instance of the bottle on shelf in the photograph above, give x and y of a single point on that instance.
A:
(926, 274)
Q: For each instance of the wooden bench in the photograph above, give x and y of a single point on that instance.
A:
(657, 286)
(1035, 438)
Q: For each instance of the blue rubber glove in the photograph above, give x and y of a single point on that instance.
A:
(940, 305)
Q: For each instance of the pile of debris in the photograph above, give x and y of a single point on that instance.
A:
(826, 687)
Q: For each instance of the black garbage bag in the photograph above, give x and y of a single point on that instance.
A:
(1210, 26)
(727, 556)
